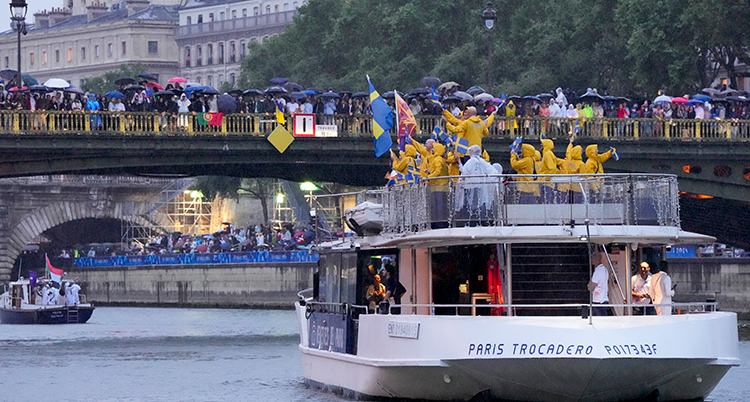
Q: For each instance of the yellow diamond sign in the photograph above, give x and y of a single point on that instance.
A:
(280, 138)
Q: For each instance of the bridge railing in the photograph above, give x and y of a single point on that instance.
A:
(516, 200)
(189, 124)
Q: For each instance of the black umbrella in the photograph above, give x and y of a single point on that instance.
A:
(532, 98)
(391, 95)
(8, 74)
(418, 91)
(252, 92)
(514, 98)
(297, 95)
(431, 81)
(149, 77)
(73, 90)
(39, 88)
(330, 95)
(134, 88)
(209, 90)
(610, 98)
(237, 92)
(164, 93)
(345, 93)
(226, 104)
(278, 81)
(316, 89)
(361, 95)
(622, 99)
(293, 86)
(545, 96)
(125, 81)
(737, 98)
(452, 98)
(275, 90)
(475, 90)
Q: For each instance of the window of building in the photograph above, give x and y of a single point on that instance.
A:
(286, 6)
(221, 53)
(209, 54)
(198, 80)
(221, 79)
(83, 53)
(243, 50)
(268, 9)
(200, 18)
(110, 50)
(210, 17)
(222, 16)
(256, 11)
(210, 81)
(31, 59)
(153, 47)
(97, 51)
(276, 8)
(199, 56)
(232, 79)
(187, 56)
(232, 52)
(44, 57)
(244, 12)
(234, 14)
(124, 48)
(189, 20)
(70, 54)
(57, 57)
(294, 5)
(7, 62)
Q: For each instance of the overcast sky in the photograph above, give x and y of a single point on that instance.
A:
(34, 6)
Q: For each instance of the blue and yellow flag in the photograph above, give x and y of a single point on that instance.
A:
(462, 146)
(435, 97)
(438, 134)
(382, 121)
(280, 114)
(516, 145)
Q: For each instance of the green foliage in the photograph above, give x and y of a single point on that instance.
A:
(106, 82)
(630, 47)
(231, 187)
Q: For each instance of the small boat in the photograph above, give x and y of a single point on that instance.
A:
(22, 304)
(496, 302)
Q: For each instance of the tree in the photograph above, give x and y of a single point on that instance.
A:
(230, 187)
(106, 82)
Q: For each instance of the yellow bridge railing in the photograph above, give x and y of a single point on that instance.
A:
(144, 123)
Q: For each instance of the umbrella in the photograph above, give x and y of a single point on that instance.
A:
(609, 98)
(693, 102)
(14, 89)
(164, 93)
(679, 100)
(297, 95)
(463, 95)
(310, 92)
(39, 88)
(8, 74)
(275, 90)
(514, 98)
(662, 99)
(135, 88)
(345, 93)
(125, 80)
(390, 95)
(418, 91)
(209, 90)
(710, 91)
(452, 98)
(361, 95)
(114, 94)
(174, 80)
(56, 83)
(330, 95)
(484, 97)
(591, 96)
(475, 90)
(293, 86)
(29, 80)
(148, 76)
(226, 104)
(623, 99)
(278, 81)
(154, 85)
(497, 100)
(702, 98)
(737, 98)
(532, 98)
(314, 89)
(430, 81)
(545, 96)
(448, 85)
(73, 90)
(193, 84)
(252, 92)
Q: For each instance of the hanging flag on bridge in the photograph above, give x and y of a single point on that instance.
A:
(210, 119)
(382, 121)
(280, 113)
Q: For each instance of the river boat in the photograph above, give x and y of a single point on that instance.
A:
(20, 304)
(520, 327)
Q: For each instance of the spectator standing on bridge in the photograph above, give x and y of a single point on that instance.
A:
(183, 108)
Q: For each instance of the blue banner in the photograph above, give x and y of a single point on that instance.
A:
(205, 258)
(330, 332)
(685, 251)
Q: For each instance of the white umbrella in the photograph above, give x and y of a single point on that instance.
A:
(662, 99)
(484, 97)
(56, 83)
(463, 95)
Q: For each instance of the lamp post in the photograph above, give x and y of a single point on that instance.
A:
(18, 9)
(489, 16)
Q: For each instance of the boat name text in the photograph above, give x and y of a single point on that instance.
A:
(398, 329)
(640, 349)
(518, 349)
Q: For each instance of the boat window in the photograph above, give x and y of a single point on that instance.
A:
(349, 278)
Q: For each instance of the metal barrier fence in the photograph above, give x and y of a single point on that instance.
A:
(148, 123)
(608, 199)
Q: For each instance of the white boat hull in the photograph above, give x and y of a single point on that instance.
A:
(541, 358)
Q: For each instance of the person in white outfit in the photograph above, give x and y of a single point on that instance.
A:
(640, 285)
(599, 286)
(72, 294)
(661, 290)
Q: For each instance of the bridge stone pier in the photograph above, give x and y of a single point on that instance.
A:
(30, 206)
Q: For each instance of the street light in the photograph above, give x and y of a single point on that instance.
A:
(309, 186)
(18, 9)
(489, 16)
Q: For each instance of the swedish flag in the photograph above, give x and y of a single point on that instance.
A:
(438, 134)
(435, 97)
(614, 153)
(462, 146)
(382, 121)
(516, 145)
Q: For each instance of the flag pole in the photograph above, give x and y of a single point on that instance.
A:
(398, 124)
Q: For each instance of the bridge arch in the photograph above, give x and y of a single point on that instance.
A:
(54, 214)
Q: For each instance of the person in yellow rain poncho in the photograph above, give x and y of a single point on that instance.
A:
(473, 128)
(402, 162)
(524, 164)
(549, 165)
(425, 152)
(573, 164)
(593, 164)
(438, 167)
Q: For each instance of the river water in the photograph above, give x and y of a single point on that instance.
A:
(157, 354)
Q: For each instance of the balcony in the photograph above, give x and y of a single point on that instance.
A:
(234, 25)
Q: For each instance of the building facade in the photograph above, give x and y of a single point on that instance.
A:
(81, 41)
(214, 35)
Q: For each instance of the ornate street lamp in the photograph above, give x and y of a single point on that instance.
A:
(489, 16)
(18, 9)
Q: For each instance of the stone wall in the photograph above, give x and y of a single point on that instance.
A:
(216, 285)
(727, 280)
